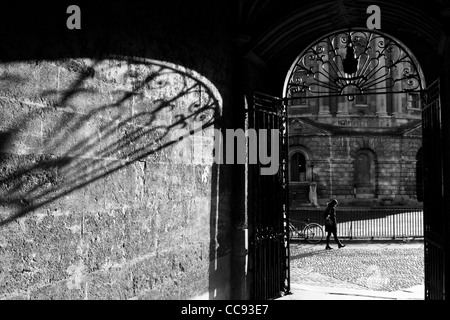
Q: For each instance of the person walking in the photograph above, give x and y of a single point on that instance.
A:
(330, 224)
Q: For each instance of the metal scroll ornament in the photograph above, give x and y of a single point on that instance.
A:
(352, 63)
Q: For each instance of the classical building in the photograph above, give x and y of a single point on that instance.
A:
(355, 136)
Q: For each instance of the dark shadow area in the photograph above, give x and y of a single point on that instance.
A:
(5, 138)
(308, 254)
(181, 32)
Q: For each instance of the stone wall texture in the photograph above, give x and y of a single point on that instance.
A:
(99, 196)
(334, 158)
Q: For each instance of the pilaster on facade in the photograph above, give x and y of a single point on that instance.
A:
(324, 111)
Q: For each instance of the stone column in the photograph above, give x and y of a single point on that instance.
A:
(381, 98)
(343, 105)
(342, 102)
(397, 109)
(324, 105)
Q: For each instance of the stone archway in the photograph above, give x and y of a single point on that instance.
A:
(273, 46)
(351, 106)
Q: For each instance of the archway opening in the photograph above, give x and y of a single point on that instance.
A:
(363, 131)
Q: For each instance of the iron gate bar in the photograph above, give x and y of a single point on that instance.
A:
(434, 234)
(285, 187)
(269, 248)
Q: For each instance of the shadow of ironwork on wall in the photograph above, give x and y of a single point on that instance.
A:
(101, 118)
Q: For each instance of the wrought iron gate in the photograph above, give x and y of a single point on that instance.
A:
(433, 194)
(268, 203)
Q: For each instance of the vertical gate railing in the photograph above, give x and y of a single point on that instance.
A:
(268, 205)
(433, 194)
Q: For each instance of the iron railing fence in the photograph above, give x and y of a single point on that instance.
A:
(367, 223)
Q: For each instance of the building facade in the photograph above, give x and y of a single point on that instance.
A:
(363, 149)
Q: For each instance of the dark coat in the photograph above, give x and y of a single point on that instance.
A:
(330, 211)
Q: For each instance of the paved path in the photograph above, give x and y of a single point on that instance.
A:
(361, 270)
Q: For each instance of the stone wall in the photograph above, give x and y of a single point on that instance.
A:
(99, 198)
(334, 157)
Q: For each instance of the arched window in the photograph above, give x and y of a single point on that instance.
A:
(298, 167)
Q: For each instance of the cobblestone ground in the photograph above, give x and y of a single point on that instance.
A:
(368, 268)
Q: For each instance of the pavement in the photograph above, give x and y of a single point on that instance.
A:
(363, 270)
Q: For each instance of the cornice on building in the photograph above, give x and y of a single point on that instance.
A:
(300, 126)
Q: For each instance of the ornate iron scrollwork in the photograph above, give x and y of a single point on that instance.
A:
(354, 62)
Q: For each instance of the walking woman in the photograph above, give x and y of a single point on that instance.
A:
(330, 224)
